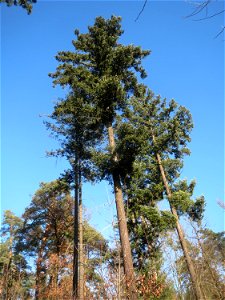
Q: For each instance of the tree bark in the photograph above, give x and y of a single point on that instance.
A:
(119, 276)
(76, 225)
(6, 278)
(8, 267)
(123, 231)
(39, 279)
(81, 255)
(197, 290)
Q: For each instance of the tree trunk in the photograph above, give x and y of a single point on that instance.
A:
(39, 268)
(197, 290)
(8, 267)
(119, 276)
(76, 225)
(6, 278)
(81, 255)
(124, 237)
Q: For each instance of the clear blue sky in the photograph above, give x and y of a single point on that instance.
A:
(186, 64)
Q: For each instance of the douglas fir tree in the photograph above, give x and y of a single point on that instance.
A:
(166, 130)
(104, 72)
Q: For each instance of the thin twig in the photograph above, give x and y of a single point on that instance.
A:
(209, 17)
(143, 7)
(219, 33)
(199, 9)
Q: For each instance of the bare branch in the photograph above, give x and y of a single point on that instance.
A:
(143, 7)
(220, 32)
(209, 17)
(199, 9)
(204, 6)
(221, 204)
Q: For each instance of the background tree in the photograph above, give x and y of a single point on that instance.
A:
(47, 237)
(209, 261)
(16, 280)
(206, 249)
(46, 230)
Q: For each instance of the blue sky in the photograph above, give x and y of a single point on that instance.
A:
(186, 64)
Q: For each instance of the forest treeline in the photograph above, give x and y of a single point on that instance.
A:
(110, 126)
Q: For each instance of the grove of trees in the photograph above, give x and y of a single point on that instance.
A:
(110, 126)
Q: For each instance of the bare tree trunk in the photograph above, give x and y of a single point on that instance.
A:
(76, 225)
(197, 290)
(124, 237)
(81, 254)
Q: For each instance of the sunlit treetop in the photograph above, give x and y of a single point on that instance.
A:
(101, 68)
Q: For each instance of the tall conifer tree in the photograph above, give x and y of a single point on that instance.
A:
(76, 134)
(104, 71)
(166, 128)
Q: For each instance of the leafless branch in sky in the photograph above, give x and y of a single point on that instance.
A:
(143, 7)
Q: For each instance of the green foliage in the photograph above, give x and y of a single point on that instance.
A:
(104, 91)
(101, 68)
(26, 4)
(47, 236)
(197, 209)
(72, 124)
(101, 76)
(151, 126)
(93, 238)
(16, 280)
(181, 201)
(215, 242)
(47, 221)
(10, 225)
(161, 128)
(166, 127)
(143, 190)
(184, 204)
